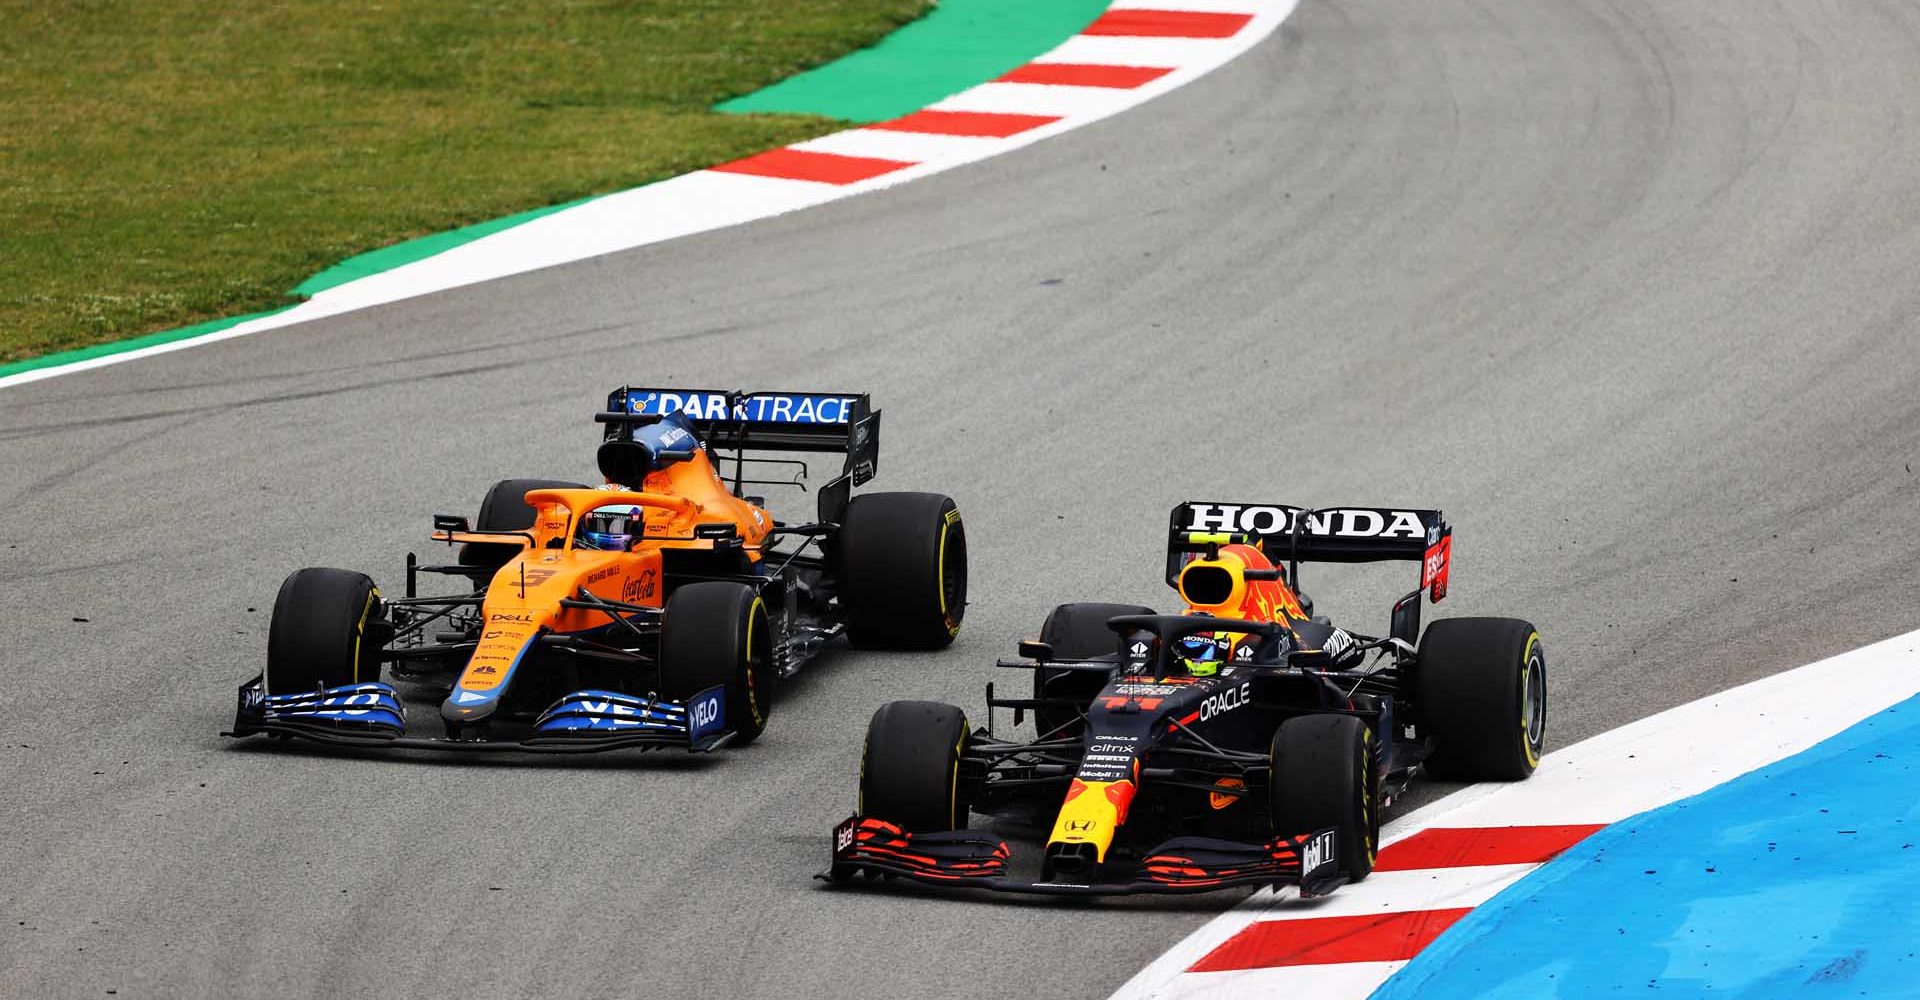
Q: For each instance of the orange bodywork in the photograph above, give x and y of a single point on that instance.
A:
(524, 597)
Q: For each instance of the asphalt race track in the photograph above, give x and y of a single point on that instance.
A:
(1627, 288)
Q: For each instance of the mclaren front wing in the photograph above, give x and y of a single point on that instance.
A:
(370, 715)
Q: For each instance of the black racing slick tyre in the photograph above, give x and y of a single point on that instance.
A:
(1480, 687)
(325, 632)
(910, 768)
(1322, 767)
(1076, 632)
(717, 633)
(504, 508)
(902, 562)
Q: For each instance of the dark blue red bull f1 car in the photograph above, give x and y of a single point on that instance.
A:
(1242, 742)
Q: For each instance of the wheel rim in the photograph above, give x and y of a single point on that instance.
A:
(956, 811)
(1369, 821)
(756, 657)
(1533, 702)
(953, 572)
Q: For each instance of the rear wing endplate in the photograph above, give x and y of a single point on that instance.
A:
(829, 422)
(1289, 534)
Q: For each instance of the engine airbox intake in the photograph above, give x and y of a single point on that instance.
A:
(1208, 584)
(625, 462)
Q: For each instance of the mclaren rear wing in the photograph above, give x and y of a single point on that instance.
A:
(1329, 534)
(740, 421)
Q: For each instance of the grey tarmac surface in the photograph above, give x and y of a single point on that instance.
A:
(1626, 287)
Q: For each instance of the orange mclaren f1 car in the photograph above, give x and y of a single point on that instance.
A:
(1242, 742)
(657, 610)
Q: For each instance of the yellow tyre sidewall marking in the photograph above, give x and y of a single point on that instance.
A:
(1366, 790)
(953, 779)
(754, 611)
(1526, 714)
(360, 632)
(951, 518)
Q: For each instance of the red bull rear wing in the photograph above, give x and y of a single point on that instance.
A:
(1329, 534)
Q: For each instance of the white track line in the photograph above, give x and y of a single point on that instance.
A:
(1080, 104)
(1110, 50)
(1298, 982)
(1198, 6)
(1401, 892)
(915, 147)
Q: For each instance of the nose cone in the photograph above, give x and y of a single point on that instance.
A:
(1091, 815)
(468, 706)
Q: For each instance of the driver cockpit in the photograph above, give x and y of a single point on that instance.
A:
(1201, 653)
(611, 529)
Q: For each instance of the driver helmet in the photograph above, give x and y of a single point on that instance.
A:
(611, 529)
(1201, 652)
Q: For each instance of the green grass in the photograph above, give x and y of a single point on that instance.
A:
(165, 162)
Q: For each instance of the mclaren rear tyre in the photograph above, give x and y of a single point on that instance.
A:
(326, 632)
(1076, 632)
(902, 562)
(716, 633)
(910, 768)
(1480, 687)
(504, 508)
(1322, 768)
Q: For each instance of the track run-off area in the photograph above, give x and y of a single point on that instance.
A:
(1625, 288)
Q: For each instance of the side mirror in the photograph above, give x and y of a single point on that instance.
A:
(1309, 659)
(723, 536)
(1034, 649)
(450, 522)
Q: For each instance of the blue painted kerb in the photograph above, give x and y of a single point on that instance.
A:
(1801, 879)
